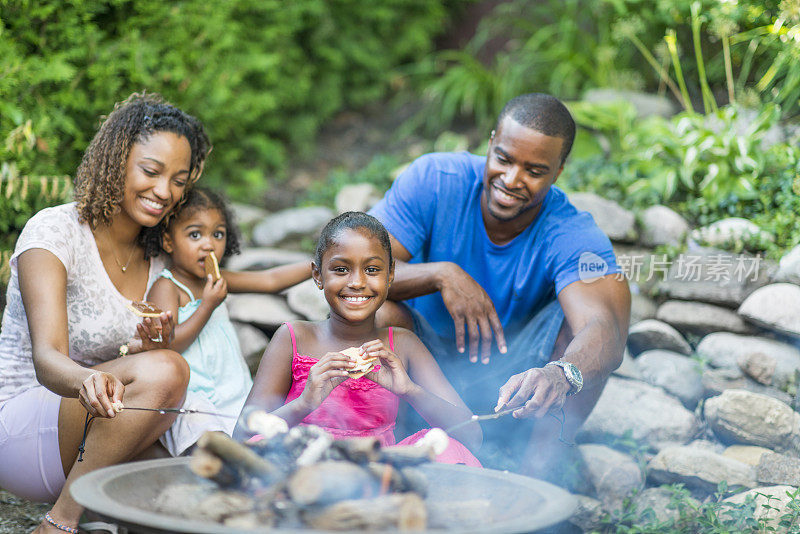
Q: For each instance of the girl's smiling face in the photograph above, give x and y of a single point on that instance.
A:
(189, 240)
(355, 275)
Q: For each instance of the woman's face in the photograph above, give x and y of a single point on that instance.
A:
(156, 175)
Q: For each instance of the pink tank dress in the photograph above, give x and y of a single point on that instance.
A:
(360, 407)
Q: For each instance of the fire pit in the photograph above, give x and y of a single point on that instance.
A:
(127, 494)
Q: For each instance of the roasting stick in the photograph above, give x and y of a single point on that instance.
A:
(476, 418)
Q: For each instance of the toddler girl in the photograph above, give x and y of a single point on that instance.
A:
(303, 376)
(205, 335)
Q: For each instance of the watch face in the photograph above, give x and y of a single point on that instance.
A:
(573, 375)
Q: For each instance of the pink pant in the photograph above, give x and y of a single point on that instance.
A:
(30, 461)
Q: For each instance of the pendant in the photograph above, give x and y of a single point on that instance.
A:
(123, 268)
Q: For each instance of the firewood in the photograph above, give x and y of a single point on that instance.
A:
(210, 466)
(237, 455)
(455, 514)
(404, 511)
(360, 450)
(406, 455)
(330, 481)
(414, 481)
(315, 450)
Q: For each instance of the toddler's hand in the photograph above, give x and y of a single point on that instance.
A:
(324, 376)
(215, 292)
(392, 375)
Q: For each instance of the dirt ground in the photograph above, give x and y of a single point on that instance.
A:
(18, 515)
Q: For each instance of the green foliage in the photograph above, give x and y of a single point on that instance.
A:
(261, 74)
(380, 171)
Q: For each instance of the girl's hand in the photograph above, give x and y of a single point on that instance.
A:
(326, 374)
(392, 375)
(153, 333)
(214, 292)
(97, 393)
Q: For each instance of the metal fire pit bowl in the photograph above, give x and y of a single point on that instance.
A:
(126, 494)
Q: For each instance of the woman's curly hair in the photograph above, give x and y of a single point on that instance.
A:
(100, 178)
(199, 198)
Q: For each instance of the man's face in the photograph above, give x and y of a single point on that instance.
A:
(521, 165)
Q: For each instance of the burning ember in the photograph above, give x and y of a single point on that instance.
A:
(303, 478)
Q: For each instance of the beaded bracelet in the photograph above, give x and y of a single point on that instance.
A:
(59, 526)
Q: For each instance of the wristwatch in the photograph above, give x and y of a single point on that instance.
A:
(572, 373)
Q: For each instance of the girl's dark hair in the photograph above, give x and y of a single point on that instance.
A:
(352, 220)
(100, 178)
(198, 198)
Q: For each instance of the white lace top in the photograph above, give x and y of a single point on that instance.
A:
(98, 320)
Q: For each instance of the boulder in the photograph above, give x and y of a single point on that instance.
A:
(307, 299)
(628, 367)
(772, 503)
(645, 104)
(716, 381)
(651, 334)
(260, 258)
(698, 468)
(264, 311)
(637, 265)
(739, 416)
(732, 232)
(615, 221)
(612, 474)
(659, 499)
(588, 514)
(776, 307)
(253, 342)
(779, 469)
(718, 277)
(628, 407)
(758, 366)
(357, 197)
(749, 454)
(700, 319)
(662, 226)
(676, 373)
(246, 215)
(641, 308)
(789, 267)
(289, 224)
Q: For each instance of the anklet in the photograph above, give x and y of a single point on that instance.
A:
(59, 526)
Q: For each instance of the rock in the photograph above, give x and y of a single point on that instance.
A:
(658, 499)
(652, 334)
(615, 221)
(612, 474)
(307, 299)
(776, 307)
(641, 308)
(771, 504)
(260, 258)
(662, 226)
(587, 514)
(700, 319)
(291, 224)
(708, 445)
(628, 367)
(253, 342)
(646, 104)
(637, 265)
(698, 468)
(628, 406)
(267, 311)
(758, 366)
(726, 350)
(730, 232)
(357, 197)
(778, 469)
(789, 267)
(739, 416)
(749, 454)
(715, 381)
(676, 373)
(246, 215)
(714, 276)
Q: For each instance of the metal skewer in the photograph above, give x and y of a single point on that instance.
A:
(476, 418)
(181, 411)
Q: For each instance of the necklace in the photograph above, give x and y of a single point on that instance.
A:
(122, 267)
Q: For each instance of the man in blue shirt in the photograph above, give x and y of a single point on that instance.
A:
(490, 251)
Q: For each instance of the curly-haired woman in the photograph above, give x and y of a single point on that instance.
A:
(66, 323)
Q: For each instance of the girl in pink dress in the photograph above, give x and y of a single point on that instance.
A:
(304, 379)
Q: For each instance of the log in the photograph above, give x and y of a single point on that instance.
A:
(414, 481)
(360, 450)
(406, 455)
(330, 481)
(459, 514)
(404, 511)
(212, 467)
(237, 455)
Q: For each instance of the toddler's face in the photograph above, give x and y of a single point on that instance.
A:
(189, 240)
(355, 275)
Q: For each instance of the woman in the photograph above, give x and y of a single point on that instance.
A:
(66, 326)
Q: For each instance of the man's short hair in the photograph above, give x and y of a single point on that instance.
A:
(543, 113)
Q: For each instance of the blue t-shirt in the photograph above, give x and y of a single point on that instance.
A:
(434, 210)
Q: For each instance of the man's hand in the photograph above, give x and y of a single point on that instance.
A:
(536, 391)
(469, 304)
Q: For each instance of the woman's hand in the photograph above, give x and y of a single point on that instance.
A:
(392, 375)
(214, 292)
(323, 377)
(98, 391)
(153, 333)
